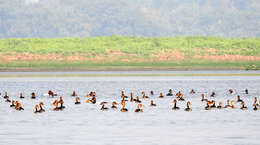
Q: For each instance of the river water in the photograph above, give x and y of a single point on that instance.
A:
(87, 124)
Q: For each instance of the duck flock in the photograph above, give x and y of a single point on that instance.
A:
(210, 103)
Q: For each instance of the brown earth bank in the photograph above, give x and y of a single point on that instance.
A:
(228, 57)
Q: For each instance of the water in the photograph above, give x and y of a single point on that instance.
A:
(86, 124)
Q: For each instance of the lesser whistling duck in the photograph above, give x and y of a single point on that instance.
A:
(169, 93)
(213, 94)
(19, 107)
(228, 105)
(188, 107)
(203, 98)
(144, 96)
(123, 109)
(152, 103)
(77, 100)
(41, 107)
(243, 107)
(131, 97)
(152, 93)
(213, 104)
(208, 107)
(175, 105)
(33, 95)
(12, 105)
(255, 108)
(192, 91)
(21, 96)
(55, 103)
(103, 106)
(93, 100)
(61, 103)
(74, 94)
(36, 109)
(238, 99)
(139, 108)
(219, 105)
(232, 104)
(161, 95)
(137, 100)
(246, 91)
(6, 95)
(114, 105)
(123, 95)
(7, 99)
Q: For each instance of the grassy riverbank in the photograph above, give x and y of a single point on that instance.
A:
(124, 53)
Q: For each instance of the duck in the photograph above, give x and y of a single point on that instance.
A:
(181, 98)
(246, 91)
(144, 96)
(243, 107)
(41, 107)
(74, 94)
(123, 109)
(6, 95)
(12, 105)
(77, 100)
(219, 105)
(203, 98)
(232, 104)
(19, 107)
(123, 95)
(192, 91)
(208, 107)
(50, 93)
(188, 107)
(139, 108)
(161, 95)
(103, 106)
(179, 94)
(228, 105)
(55, 103)
(152, 103)
(33, 95)
(169, 93)
(230, 91)
(213, 104)
(255, 101)
(36, 109)
(131, 97)
(255, 108)
(137, 100)
(151, 93)
(93, 100)
(61, 103)
(175, 105)
(213, 94)
(21, 96)
(238, 99)
(114, 105)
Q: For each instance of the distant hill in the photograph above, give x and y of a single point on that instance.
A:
(150, 18)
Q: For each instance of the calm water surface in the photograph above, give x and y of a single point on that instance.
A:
(86, 124)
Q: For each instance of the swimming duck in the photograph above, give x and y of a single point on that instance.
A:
(131, 97)
(238, 99)
(74, 94)
(21, 96)
(152, 103)
(188, 107)
(181, 98)
(114, 105)
(7, 99)
(137, 100)
(144, 96)
(55, 103)
(123, 109)
(103, 106)
(255, 108)
(230, 91)
(41, 107)
(175, 105)
(93, 100)
(192, 92)
(179, 94)
(33, 95)
(169, 93)
(208, 107)
(36, 109)
(255, 101)
(139, 108)
(219, 105)
(6, 95)
(123, 95)
(213, 104)
(51, 93)
(228, 105)
(77, 100)
(12, 105)
(246, 91)
(243, 107)
(202, 98)
(161, 95)
(152, 93)
(61, 103)
(213, 94)
(19, 107)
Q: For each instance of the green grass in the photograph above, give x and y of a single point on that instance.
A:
(141, 47)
